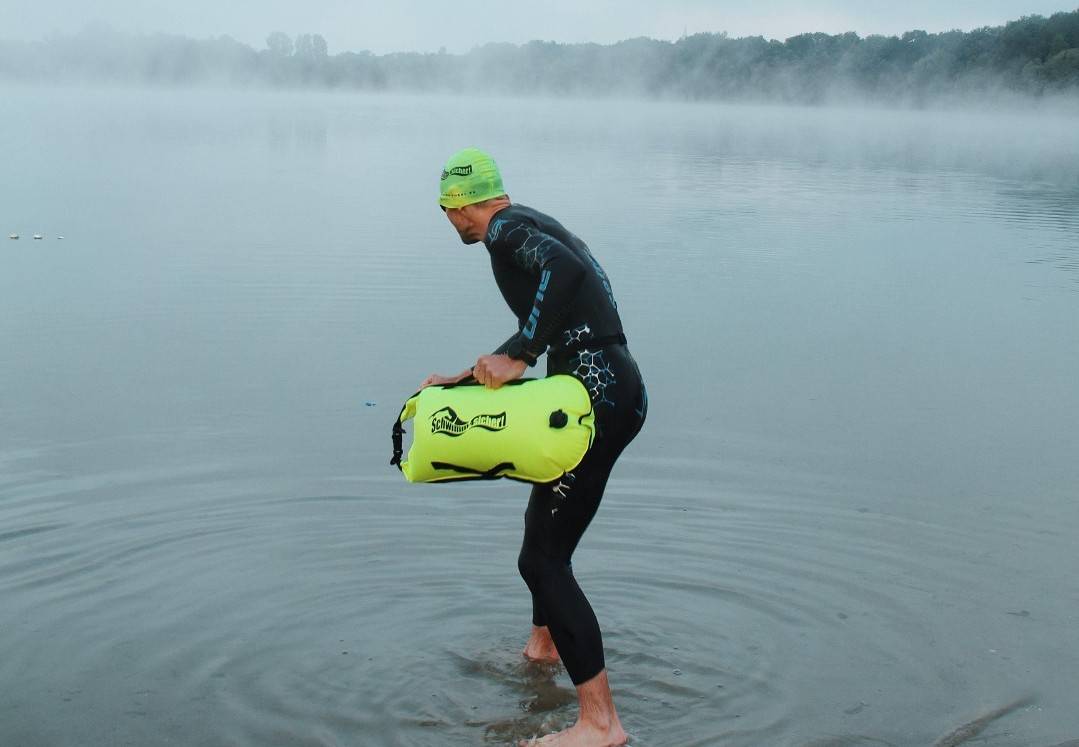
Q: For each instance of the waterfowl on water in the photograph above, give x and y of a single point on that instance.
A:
(13, 235)
(38, 236)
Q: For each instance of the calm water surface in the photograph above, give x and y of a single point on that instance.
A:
(850, 520)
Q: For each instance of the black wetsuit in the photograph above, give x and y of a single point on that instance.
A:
(565, 307)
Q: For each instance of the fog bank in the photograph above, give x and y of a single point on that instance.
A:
(1034, 56)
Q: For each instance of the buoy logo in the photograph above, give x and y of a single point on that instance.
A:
(450, 423)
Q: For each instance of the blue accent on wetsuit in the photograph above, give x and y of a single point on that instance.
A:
(562, 299)
(550, 281)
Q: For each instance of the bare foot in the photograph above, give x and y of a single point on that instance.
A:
(582, 735)
(597, 722)
(540, 647)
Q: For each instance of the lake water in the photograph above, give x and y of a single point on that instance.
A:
(850, 520)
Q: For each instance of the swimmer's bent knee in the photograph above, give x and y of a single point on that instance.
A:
(535, 568)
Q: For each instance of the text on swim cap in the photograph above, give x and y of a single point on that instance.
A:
(457, 171)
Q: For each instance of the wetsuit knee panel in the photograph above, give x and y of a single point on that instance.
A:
(535, 566)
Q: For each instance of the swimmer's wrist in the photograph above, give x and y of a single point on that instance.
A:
(517, 351)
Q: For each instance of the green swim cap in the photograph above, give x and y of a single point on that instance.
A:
(470, 176)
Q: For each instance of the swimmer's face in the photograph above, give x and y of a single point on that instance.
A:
(467, 222)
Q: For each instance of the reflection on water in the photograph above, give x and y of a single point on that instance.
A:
(848, 522)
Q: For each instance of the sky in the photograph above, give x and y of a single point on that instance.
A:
(383, 26)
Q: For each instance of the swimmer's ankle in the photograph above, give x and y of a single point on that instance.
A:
(540, 646)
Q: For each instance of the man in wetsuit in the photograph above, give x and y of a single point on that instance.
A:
(565, 308)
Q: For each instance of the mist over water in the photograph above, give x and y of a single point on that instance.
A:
(1031, 61)
(849, 519)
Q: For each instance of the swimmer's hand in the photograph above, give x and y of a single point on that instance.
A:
(495, 370)
(439, 379)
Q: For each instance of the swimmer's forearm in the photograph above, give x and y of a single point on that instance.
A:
(501, 349)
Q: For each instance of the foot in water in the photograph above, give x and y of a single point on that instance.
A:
(597, 723)
(540, 647)
(582, 735)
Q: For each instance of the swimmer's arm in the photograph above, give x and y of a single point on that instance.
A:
(440, 380)
(501, 349)
(559, 277)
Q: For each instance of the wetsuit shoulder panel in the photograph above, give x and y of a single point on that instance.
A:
(549, 279)
(556, 272)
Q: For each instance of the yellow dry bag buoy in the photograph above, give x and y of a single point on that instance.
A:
(533, 430)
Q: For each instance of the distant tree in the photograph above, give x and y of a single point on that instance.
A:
(280, 44)
(311, 47)
(305, 47)
(1062, 69)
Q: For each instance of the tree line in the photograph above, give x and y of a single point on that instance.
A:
(1034, 55)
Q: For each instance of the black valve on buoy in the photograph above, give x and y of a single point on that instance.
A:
(559, 419)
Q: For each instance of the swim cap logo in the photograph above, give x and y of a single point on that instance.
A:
(457, 171)
(448, 422)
